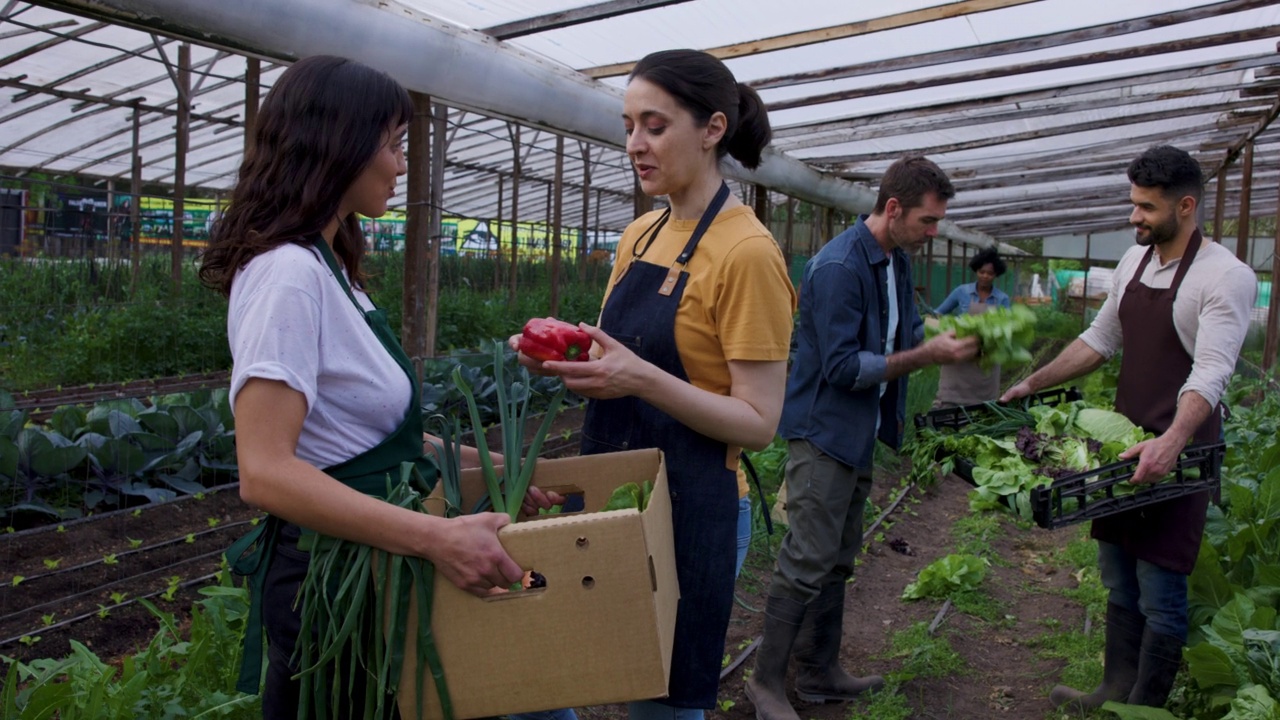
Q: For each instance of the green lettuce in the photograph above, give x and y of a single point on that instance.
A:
(946, 575)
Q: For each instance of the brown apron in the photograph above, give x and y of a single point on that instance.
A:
(965, 383)
(1152, 369)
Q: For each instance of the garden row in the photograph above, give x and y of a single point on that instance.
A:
(123, 453)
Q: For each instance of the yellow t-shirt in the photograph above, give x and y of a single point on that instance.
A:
(738, 301)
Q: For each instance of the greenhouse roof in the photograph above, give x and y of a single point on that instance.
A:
(1034, 107)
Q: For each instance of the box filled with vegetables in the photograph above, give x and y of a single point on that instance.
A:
(1056, 459)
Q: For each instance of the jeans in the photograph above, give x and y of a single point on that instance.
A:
(648, 709)
(1160, 595)
(744, 532)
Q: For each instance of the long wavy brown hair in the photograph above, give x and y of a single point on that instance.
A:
(318, 128)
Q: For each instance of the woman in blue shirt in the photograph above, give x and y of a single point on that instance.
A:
(966, 383)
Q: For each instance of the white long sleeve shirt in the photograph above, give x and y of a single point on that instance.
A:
(1210, 312)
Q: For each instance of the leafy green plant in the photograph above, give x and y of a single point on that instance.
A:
(947, 575)
(52, 563)
(173, 585)
(47, 620)
(110, 559)
(1005, 334)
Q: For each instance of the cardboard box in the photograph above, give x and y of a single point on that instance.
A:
(601, 630)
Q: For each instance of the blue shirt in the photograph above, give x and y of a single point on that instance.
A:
(833, 394)
(958, 302)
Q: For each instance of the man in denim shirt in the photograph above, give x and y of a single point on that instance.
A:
(859, 336)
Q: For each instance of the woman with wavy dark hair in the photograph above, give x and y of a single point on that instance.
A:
(325, 400)
(691, 350)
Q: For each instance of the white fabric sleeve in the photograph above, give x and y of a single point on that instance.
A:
(275, 336)
(1104, 335)
(1223, 324)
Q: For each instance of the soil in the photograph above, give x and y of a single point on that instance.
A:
(1002, 676)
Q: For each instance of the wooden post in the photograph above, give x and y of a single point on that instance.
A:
(135, 215)
(950, 263)
(1272, 343)
(113, 242)
(790, 228)
(1246, 193)
(928, 270)
(417, 230)
(1219, 204)
(1084, 292)
(435, 236)
(515, 214)
(180, 165)
(252, 89)
(495, 231)
(762, 204)
(557, 217)
(586, 212)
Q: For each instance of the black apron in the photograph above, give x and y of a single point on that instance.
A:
(269, 555)
(1152, 369)
(641, 314)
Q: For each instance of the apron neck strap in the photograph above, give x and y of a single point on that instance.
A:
(704, 222)
(326, 252)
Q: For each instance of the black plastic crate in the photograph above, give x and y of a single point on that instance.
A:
(957, 417)
(1090, 494)
(1094, 492)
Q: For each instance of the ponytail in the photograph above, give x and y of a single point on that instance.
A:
(753, 133)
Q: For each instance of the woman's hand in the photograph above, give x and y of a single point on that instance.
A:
(613, 372)
(468, 554)
(535, 367)
(536, 499)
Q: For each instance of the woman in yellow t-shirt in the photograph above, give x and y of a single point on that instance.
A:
(690, 355)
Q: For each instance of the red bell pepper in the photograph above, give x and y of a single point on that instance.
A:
(546, 339)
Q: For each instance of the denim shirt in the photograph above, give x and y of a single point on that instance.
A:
(833, 393)
(963, 296)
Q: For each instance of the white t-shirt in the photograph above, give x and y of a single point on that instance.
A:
(1210, 312)
(290, 320)
(891, 333)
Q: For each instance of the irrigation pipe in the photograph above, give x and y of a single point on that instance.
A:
(134, 551)
(100, 588)
(742, 657)
(112, 513)
(94, 613)
(937, 619)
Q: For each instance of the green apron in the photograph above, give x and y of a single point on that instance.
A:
(367, 473)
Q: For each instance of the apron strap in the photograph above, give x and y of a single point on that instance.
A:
(251, 556)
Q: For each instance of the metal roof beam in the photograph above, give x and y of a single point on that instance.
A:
(89, 70)
(56, 40)
(835, 32)
(36, 28)
(96, 100)
(1018, 112)
(462, 67)
(1094, 58)
(1125, 82)
(573, 16)
(1009, 47)
(1038, 133)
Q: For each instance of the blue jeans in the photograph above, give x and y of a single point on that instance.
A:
(744, 532)
(1160, 595)
(647, 709)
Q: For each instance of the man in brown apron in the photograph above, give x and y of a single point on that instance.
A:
(1179, 306)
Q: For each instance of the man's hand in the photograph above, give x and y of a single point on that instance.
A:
(945, 348)
(1156, 458)
(1017, 392)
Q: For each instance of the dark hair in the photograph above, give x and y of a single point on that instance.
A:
(702, 84)
(911, 178)
(988, 256)
(1170, 169)
(318, 128)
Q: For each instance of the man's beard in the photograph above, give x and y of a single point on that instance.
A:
(1157, 234)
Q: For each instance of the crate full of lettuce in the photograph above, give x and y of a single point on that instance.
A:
(1055, 461)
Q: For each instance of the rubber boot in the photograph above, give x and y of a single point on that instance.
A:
(1119, 666)
(819, 677)
(1157, 667)
(766, 688)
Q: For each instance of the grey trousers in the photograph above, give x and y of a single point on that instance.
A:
(826, 500)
